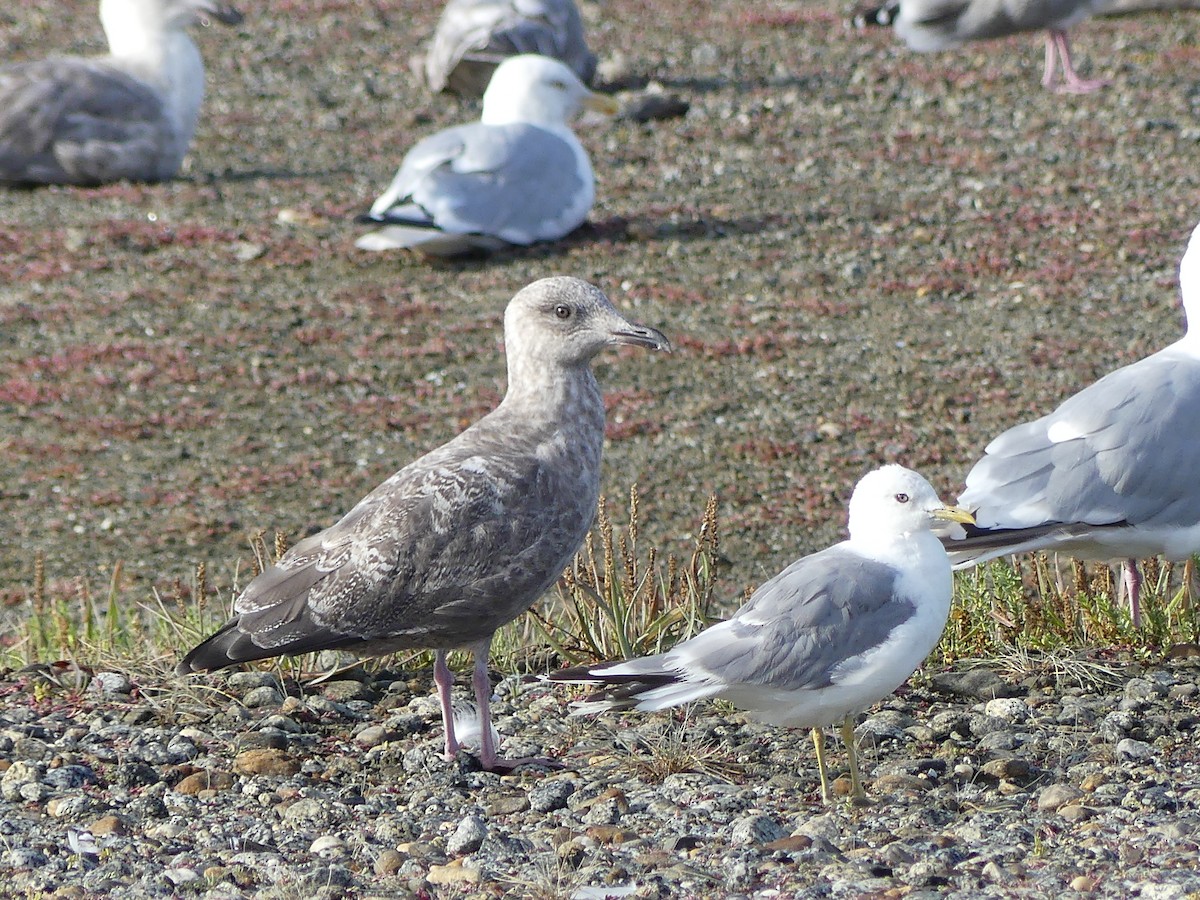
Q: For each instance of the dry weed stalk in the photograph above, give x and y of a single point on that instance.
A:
(617, 605)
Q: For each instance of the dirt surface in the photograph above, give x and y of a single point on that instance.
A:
(862, 254)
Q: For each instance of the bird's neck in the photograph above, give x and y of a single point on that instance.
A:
(507, 116)
(169, 60)
(897, 547)
(554, 395)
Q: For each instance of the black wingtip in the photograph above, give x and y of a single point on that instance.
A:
(214, 652)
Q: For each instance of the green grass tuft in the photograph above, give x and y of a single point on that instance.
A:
(613, 603)
(1038, 603)
(619, 599)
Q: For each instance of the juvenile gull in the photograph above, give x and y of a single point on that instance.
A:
(516, 176)
(466, 538)
(130, 114)
(1114, 472)
(927, 25)
(474, 36)
(825, 638)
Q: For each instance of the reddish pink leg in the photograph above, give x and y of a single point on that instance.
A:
(443, 678)
(1056, 41)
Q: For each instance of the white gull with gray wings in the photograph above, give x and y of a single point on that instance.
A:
(128, 115)
(466, 538)
(516, 176)
(474, 36)
(1113, 473)
(828, 636)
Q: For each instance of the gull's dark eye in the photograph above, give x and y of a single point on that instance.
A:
(902, 498)
(562, 311)
(558, 85)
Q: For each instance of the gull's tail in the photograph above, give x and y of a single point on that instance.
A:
(645, 684)
(408, 227)
(971, 545)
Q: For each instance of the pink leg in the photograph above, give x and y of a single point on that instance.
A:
(1133, 589)
(1072, 83)
(1051, 69)
(483, 703)
(443, 678)
(489, 759)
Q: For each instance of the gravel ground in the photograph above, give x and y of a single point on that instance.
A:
(862, 255)
(1084, 780)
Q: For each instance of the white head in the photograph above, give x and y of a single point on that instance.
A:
(538, 90)
(893, 501)
(557, 323)
(1189, 279)
(132, 26)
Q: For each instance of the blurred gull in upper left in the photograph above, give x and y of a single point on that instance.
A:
(128, 115)
(516, 176)
(475, 36)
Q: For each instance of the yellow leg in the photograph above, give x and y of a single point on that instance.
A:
(856, 788)
(818, 739)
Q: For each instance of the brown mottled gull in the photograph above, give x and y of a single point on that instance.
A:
(128, 115)
(825, 638)
(516, 176)
(466, 538)
(1113, 473)
(927, 25)
(474, 36)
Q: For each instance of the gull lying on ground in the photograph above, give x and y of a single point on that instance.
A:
(465, 539)
(474, 36)
(926, 25)
(825, 638)
(516, 176)
(1114, 472)
(128, 115)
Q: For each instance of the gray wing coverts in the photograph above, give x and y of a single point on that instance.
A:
(1135, 449)
(464, 183)
(439, 555)
(79, 121)
(800, 626)
(938, 24)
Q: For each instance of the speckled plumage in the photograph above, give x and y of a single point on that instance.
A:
(467, 537)
(128, 115)
(1114, 472)
(474, 36)
(829, 635)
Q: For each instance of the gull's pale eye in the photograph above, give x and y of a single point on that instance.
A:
(562, 311)
(902, 498)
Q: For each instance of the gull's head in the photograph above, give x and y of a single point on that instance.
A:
(131, 21)
(894, 500)
(563, 322)
(538, 90)
(1189, 279)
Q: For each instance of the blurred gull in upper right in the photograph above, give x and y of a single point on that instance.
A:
(475, 36)
(1113, 473)
(927, 25)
